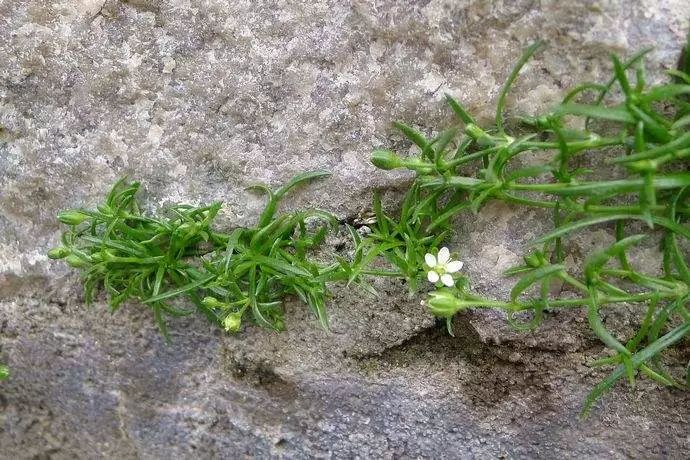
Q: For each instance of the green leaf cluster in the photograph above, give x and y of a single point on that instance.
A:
(178, 255)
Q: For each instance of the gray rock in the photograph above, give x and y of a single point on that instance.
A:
(200, 99)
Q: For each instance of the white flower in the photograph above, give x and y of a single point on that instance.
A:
(441, 267)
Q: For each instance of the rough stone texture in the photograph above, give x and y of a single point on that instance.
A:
(198, 99)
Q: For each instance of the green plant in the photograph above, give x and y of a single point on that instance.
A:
(159, 260)
(639, 135)
(423, 223)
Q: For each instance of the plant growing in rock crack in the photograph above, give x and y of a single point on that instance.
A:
(160, 260)
(643, 136)
(640, 133)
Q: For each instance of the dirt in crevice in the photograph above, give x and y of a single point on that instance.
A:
(490, 374)
(257, 374)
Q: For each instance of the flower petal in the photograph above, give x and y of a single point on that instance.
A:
(432, 276)
(430, 260)
(454, 266)
(447, 280)
(443, 256)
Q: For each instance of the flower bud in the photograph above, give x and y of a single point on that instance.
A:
(232, 322)
(541, 122)
(187, 229)
(478, 134)
(212, 302)
(76, 261)
(385, 159)
(533, 260)
(59, 253)
(72, 217)
(443, 303)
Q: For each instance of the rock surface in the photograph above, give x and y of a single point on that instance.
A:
(198, 99)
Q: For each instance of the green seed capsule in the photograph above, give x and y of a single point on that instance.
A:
(443, 304)
(232, 322)
(72, 217)
(59, 253)
(385, 159)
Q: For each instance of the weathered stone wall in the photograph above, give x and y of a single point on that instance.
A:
(198, 99)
